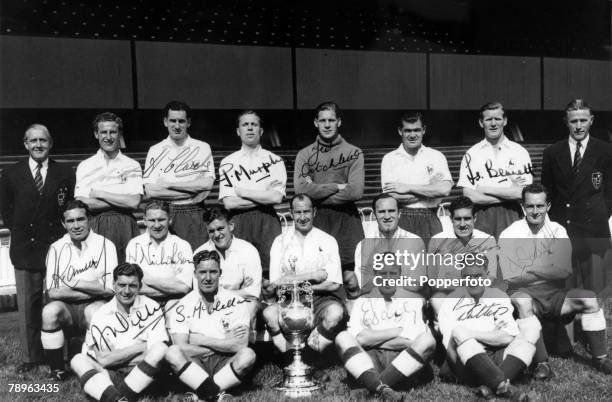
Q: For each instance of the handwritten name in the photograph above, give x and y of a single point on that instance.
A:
(313, 165)
(405, 315)
(261, 172)
(65, 270)
(493, 173)
(182, 165)
(472, 310)
(174, 257)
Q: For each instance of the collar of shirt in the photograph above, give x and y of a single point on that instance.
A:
(405, 153)
(33, 165)
(399, 233)
(85, 244)
(150, 240)
(102, 156)
(525, 230)
(170, 143)
(504, 142)
(221, 296)
(247, 152)
(572, 142)
(113, 305)
(335, 142)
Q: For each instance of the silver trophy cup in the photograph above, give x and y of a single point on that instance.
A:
(296, 321)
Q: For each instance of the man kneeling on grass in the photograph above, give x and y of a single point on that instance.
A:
(485, 346)
(388, 324)
(210, 332)
(125, 343)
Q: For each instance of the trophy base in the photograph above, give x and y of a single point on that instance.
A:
(298, 382)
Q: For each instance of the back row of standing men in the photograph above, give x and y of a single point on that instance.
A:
(180, 170)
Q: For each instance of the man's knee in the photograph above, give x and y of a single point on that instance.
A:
(156, 353)
(80, 364)
(175, 357)
(270, 315)
(523, 304)
(89, 311)
(333, 316)
(460, 335)
(52, 313)
(344, 340)
(245, 359)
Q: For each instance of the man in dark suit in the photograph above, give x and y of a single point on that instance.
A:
(578, 173)
(32, 193)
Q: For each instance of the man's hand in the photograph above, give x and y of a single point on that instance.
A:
(341, 186)
(518, 181)
(239, 332)
(248, 281)
(268, 290)
(395, 187)
(273, 185)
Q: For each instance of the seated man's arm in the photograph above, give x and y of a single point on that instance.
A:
(93, 288)
(231, 202)
(371, 338)
(190, 349)
(149, 291)
(65, 293)
(121, 357)
(95, 204)
(237, 339)
(198, 185)
(492, 338)
(269, 196)
(512, 193)
(168, 285)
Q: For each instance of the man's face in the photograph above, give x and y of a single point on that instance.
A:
(387, 215)
(157, 222)
(177, 124)
(126, 289)
(474, 272)
(463, 222)
(579, 123)
(249, 130)
(76, 224)
(412, 134)
(221, 233)
(389, 272)
(38, 144)
(207, 274)
(327, 123)
(303, 215)
(108, 136)
(536, 207)
(493, 122)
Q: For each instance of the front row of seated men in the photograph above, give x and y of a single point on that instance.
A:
(387, 342)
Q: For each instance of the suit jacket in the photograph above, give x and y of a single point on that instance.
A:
(581, 202)
(33, 219)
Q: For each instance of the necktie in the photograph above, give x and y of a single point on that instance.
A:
(38, 180)
(577, 157)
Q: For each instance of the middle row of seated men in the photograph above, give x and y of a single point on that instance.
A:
(388, 338)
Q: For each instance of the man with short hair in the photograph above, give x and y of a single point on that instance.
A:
(331, 172)
(210, 332)
(79, 267)
(305, 253)
(578, 173)
(240, 262)
(125, 343)
(485, 346)
(536, 259)
(387, 343)
(110, 183)
(419, 192)
(33, 193)
(180, 170)
(252, 181)
(389, 237)
(463, 239)
(493, 172)
(165, 259)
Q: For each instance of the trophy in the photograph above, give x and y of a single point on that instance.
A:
(296, 322)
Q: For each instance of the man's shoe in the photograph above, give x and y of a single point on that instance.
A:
(58, 375)
(484, 392)
(25, 367)
(543, 371)
(604, 365)
(388, 394)
(509, 391)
